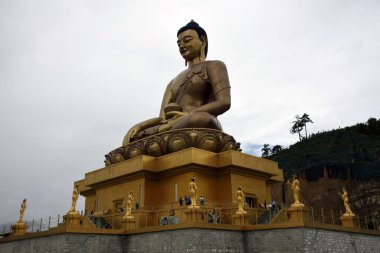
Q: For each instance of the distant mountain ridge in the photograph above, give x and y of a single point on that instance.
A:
(346, 153)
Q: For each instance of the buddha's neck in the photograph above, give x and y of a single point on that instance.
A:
(194, 62)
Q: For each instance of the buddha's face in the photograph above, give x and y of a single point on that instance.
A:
(189, 44)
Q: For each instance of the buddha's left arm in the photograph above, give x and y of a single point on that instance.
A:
(218, 78)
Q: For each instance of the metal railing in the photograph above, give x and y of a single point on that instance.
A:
(150, 216)
(322, 216)
(35, 225)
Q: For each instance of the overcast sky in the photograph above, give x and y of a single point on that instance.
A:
(76, 75)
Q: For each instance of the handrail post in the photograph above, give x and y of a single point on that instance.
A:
(181, 214)
(357, 217)
(373, 223)
(146, 219)
(32, 225)
(270, 214)
(286, 214)
(323, 216)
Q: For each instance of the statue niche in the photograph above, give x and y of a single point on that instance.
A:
(190, 106)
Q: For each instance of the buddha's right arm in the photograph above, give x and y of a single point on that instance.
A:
(140, 127)
(150, 122)
(167, 98)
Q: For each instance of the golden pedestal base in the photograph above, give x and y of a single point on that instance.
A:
(173, 141)
(72, 219)
(129, 217)
(297, 205)
(239, 219)
(19, 229)
(194, 215)
(348, 220)
(295, 214)
(241, 212)
(129, 223)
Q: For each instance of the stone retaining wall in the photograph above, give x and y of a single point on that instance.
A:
(202, 240)
(310, 240)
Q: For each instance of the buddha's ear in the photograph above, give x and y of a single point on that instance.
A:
(203, 49)
(204, 41)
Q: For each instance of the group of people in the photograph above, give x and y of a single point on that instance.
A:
(271, 206)
(186, 201)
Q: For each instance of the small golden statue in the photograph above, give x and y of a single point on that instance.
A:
(22, 211)
(196, 96)
(74, 199)
(295, 186)
(241, 201)
(73, 218)
(128, 211)
(20, 227)
(346, 203)
(193, 193)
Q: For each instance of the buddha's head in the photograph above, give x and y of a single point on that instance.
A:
(192, 41)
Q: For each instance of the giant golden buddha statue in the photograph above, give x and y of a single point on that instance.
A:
(196, 96)
(190, 106)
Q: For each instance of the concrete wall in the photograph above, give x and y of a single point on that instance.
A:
(202, 240)
(310, 240)
(187, 240)
(66, 243)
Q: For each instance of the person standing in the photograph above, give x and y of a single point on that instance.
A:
(273, 205)
(202, 200)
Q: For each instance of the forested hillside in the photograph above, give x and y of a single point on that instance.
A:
(350, 152)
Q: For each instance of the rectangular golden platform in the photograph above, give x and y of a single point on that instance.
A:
(160, 181)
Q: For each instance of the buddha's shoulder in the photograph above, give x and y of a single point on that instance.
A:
(199, 69)
(202, 67)
(215, 65)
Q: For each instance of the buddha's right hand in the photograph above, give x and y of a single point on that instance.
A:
(171, 118)
(173, 115)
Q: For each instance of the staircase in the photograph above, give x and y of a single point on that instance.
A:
(100, 222)
(266, 217)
